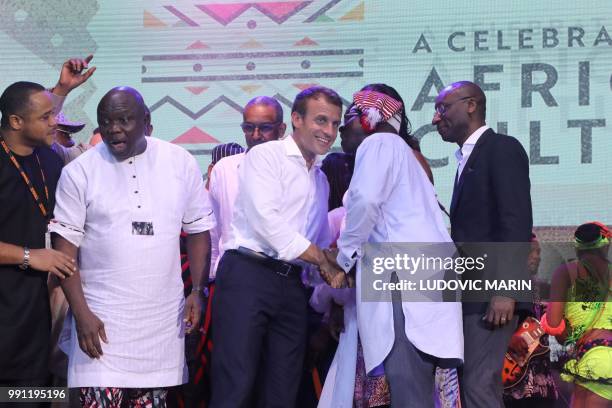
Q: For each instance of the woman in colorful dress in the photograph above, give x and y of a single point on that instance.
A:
(580, 313)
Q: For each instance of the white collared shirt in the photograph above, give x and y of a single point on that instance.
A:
(281, 205)
(223, 190)
(463, 153)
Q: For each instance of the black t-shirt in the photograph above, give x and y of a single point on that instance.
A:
(24, 301)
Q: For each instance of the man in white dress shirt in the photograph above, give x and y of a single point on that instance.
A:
(218, 152)
(390, 199)
(121, 206)
(262, 122)
(260, 304)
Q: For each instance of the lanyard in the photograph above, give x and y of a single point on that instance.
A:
(25, 177)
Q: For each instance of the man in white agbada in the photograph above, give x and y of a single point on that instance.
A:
(121, 206)
(390, 199)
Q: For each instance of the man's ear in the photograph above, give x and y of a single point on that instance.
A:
(281, 130)
(296, 120)
(16, 122)
(472, 106)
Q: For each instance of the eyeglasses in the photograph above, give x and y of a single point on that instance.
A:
(441, 109)
(266, 128)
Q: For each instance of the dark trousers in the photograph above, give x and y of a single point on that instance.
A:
(409, 372)
(480, 377)
(260, 335)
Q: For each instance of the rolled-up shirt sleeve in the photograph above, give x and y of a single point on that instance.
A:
(70, 206)
(265, 197)
(199, 215)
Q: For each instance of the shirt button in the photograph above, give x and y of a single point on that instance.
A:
(133, 176)
(138, 206)
(136, 192)
(130, 162)
(346, 264)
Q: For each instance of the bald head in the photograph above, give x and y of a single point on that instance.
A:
(123, 92)
(123, 120)
(465, 89)
(460, 110)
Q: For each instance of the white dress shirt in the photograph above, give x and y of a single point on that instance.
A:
(131, 282)
(390, 199)
(223, 190)
(281, 205)
(463, 153)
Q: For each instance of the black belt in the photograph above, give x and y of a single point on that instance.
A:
(282, 268)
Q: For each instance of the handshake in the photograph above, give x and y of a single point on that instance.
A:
(331, 272)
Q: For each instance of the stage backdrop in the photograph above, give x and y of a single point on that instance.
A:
(545, 67)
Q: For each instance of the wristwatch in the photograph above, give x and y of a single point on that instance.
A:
(26, 259)
(198, 289)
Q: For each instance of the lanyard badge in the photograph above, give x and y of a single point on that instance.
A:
(26, 179)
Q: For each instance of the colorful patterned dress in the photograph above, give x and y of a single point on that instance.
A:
(591, 364)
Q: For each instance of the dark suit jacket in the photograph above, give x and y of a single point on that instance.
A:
(492, 200)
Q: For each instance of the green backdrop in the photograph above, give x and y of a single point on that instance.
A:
(545, 67)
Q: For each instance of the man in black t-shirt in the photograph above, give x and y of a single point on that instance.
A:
(29, 171)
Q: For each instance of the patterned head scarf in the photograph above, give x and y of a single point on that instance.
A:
(376, 108)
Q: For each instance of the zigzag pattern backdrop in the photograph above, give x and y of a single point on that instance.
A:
(545, 69)
(230, 52)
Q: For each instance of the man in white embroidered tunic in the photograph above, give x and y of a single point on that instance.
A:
(122, 205)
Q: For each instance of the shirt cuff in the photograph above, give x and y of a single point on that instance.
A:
(72, 234)
(196, 226)
(298, 245)
(347, 262)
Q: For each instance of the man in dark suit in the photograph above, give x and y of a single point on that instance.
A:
(491, 203)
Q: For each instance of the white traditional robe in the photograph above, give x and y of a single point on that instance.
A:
(131, 282)
(390, 199)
